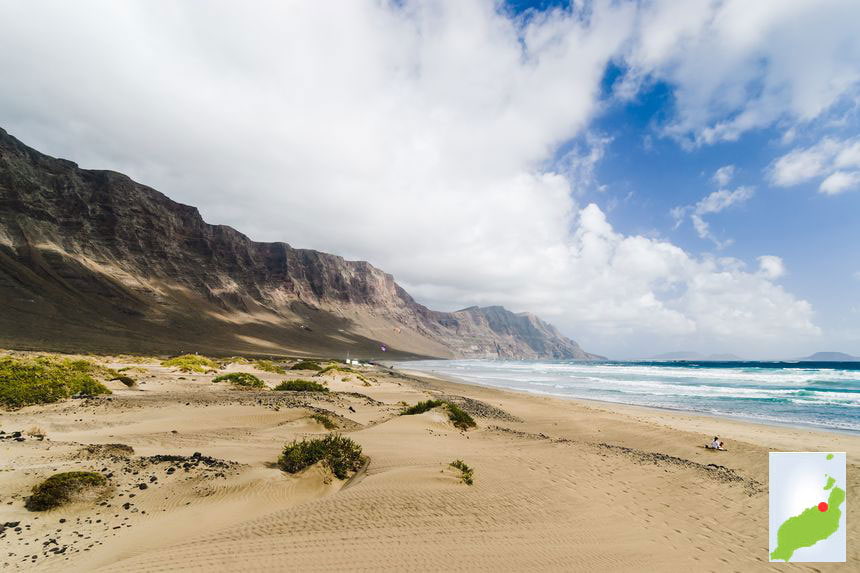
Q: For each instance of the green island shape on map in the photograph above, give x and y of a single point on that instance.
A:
(811, 526)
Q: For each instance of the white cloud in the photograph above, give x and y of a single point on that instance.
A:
(739, 65)
(714, 202)
(416, 135)
(840, 181)
(836, 160)
(723, 175)
(771, 266)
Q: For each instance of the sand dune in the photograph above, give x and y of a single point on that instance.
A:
(559, 485)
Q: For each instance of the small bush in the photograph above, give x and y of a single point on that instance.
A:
(459, 417)
(334, 368)
(62, 488)
(192, 363)
(132, 370)
(44, 379)
(127, 380)
(242, 379)
(306, 365)
(466, 473)
(300, 386)
(421, 407)
(340, 454)
(36, 432)
(326, 422)
(269, 366)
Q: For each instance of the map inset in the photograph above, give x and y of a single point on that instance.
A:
(807, 506)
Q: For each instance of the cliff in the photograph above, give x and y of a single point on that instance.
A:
(91, 260)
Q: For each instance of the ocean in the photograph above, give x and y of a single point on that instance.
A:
(812, 394)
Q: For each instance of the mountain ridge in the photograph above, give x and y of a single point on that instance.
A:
(90, 259)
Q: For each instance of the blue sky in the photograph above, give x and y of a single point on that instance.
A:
(817, 235)
(649, 175)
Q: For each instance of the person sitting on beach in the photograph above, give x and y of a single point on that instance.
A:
(721, 448)
(715, 445)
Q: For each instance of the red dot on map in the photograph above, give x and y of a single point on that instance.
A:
(822, 506)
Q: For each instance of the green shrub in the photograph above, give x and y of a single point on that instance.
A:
(192, 363)
(306, 365)
(421, 407)
(466, 473)
(44, 379)
(326, 422)
(127, 380)
(340, 454)
(269, 366)
(62, 488)
(242, 379)
(300, 386)
(459, 417)
(334, 368)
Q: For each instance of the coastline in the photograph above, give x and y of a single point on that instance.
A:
(799, 425)
(776, 435)
(559, 484)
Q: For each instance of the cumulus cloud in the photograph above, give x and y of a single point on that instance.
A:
(771, 266)
(837, 160)
(739, 65)
(421, 136)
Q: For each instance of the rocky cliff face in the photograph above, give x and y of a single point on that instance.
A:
(93, 260)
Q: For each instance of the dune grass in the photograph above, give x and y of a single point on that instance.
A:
(459, 417)
(241, 379)
(335, 368)
(421, 407)
(269, 366)
(340, 454)
(306, 365)
(46, 379)
(300, 386)
(467, 474)
(326, 422)
(61, 488)
(192, 363)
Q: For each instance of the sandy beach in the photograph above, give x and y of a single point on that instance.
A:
(559, 484)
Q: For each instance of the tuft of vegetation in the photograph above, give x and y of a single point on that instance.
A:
(235, 360)
(269, 366)
(127, 380)
(467, 474)
(300, 386)
(132, 370)
(242, 379)
(340, 454)
(335, 368)
(46, 379)
(459, 417)
(62, 488)
(326, 422)
(306, 365)
(192, 363)
(421, 407)
(36, 432)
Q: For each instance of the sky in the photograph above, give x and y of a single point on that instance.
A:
(648, 176)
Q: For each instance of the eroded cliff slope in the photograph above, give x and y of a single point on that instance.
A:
(91, 260)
